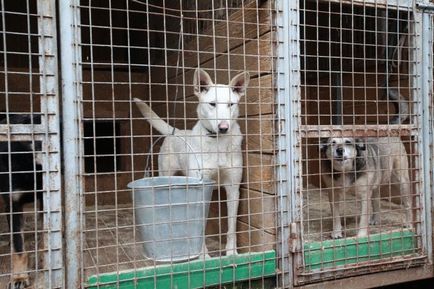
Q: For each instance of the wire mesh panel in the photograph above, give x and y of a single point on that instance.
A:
(200, 74)
(30, 213)
(361, 140)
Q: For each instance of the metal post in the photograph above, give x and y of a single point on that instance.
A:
(71, 75)
(48, 66)
(288, 95)
(425, 96)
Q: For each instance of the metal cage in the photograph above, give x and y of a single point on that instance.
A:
(312, 126)
(31, 250)
(151, 50)
(361, 142)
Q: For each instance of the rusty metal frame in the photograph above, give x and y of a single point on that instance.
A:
(71, 92)
(50, 119)
(376, 279)
(422, 265)
(51, 274)
(288, 108)
(425, 83)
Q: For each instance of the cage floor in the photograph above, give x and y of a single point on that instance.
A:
(317, 222)
(112, 244)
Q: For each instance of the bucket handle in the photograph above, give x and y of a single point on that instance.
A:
(147, 169)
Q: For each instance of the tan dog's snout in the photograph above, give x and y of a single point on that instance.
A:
(339, 151)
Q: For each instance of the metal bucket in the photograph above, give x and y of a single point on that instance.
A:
(170, 215)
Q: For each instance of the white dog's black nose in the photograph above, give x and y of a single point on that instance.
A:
(223, 127)
(339, 151)
(223, 130)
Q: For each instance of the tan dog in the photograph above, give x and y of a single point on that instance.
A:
(362, 165)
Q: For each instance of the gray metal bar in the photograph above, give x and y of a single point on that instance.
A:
(427, 7)
(288, 109)
(6, 129)
(400, 4)
(426, 94)
(70, 56)
(48, 68)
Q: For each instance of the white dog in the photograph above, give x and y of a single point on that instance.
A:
(212, 149)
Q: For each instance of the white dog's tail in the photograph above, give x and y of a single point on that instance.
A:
(156, 122)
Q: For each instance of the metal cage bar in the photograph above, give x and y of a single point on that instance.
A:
(288, 83)
(50, 119)
(426, 95)
(71, 91)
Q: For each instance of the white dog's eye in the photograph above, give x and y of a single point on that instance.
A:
(231, 104)
(212, 104)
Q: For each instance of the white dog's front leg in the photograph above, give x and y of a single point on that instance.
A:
(365, 196)
(233, 195)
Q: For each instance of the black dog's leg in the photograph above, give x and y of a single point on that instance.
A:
(20, 276)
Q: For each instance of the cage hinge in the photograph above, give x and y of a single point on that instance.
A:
(293, 238)
(425, 7)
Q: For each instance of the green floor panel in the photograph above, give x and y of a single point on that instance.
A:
(193, 274)
(340, 252)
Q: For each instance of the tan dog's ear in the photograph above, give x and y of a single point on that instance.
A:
(239, 83)
(360, 144)
(324, 143)
(201, 81)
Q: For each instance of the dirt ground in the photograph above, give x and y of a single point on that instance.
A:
(317, 222)
(110, 227)
(110, 243)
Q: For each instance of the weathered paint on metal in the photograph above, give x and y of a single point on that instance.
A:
(376, 280)
(193, 274)
(70, 76)
(426, 94)
(288, 108)
(50, 119)
(357, 131)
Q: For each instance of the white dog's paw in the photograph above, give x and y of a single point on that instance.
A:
(362, 233)
(231, 249)
(231, 246)
(231, 252)
(336, 234)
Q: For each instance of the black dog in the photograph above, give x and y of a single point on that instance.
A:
(20, 183)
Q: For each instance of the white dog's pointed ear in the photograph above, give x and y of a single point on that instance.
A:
(239, 83)
(201, 81)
